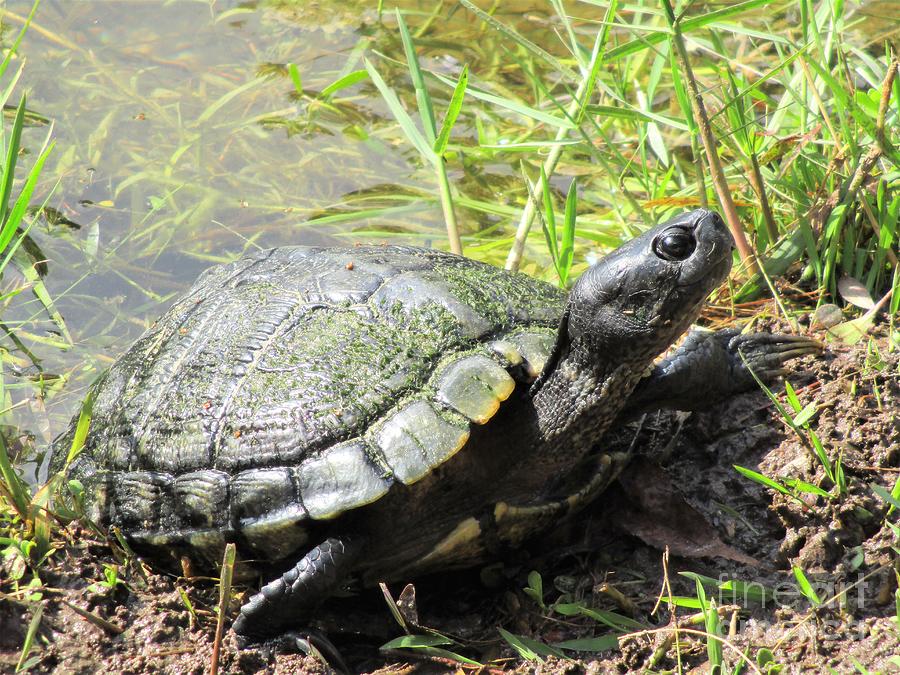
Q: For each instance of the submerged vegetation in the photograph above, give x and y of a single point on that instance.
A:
(535, 137)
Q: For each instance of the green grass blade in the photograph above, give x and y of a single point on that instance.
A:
(788, 418)
(428, 644)
(656, 36)
(821, 454)
(347, 80)
(13, 485)
(81, 427)
(423, 98)
(230, 96)
(14, 48)
(545, 215)
(809, 488)
(30, 635)
(528, 649)
(43, 295)
(806, 588)
(294, 72)
(7, 92)
(416, 642)
(588, 86)
(403, 119)
(14, 217)
(595, 644)
(9, 174)
(550, 218)
(761, 479)
(514, 106)
(805, 415)
(626, 112)
(456, 101)
(713, 643)
(567, 248)
(225, 578)
(845, 100)
(892, 498)
(609, 619)
(570, 31)
(792, 397)
(450, 656)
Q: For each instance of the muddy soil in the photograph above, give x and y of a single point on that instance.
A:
(683, 493)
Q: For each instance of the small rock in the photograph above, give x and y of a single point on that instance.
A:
(828, 316)
(820, 551)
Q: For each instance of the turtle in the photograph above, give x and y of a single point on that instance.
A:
(375, 413)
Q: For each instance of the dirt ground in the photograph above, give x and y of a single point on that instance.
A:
(682, 493)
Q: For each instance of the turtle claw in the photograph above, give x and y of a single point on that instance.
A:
(764, 354)
(308, 641)
(314, 643)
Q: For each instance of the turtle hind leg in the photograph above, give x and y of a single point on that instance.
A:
(290, 599)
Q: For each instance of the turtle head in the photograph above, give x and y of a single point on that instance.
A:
(633, 303)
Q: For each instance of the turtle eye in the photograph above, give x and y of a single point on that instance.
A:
(675, 244)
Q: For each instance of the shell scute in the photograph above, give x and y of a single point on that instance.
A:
(201, 497)
(142, 498)
(341, 478)
(257, 492)
(415, 439)
(535, 348)
(474, 386)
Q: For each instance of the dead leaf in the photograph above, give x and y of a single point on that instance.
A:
(827, 316)
(853, 291)
(655, 512)
(851, 332)
(406, 603)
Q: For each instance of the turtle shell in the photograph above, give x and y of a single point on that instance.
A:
(296, 384)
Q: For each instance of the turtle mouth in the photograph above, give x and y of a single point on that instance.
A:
(691, 296)
(718, 270)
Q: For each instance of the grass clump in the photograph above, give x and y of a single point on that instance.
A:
(793, 122)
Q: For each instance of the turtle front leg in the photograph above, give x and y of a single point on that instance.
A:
(707, 368)
(291, 598)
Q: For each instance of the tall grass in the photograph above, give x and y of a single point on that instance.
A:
(796, 123)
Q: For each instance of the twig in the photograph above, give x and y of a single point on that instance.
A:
(709, 143)
(669, 638)
(823, 109)
(759, 186)
(98, 621)
(698, 171)
(882, 144)
(224, 598)
(699, 633)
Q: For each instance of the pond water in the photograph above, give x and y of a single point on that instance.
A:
(181, 141)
